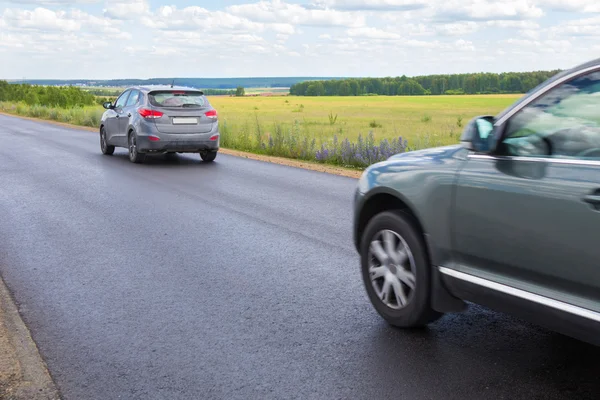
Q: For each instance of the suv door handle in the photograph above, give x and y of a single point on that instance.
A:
(593, 200)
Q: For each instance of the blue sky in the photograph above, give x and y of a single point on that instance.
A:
(68, 39)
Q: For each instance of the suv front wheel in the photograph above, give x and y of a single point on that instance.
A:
(396, 271)
(104, 146)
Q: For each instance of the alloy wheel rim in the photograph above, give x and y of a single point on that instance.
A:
(392, 269)
(132, 147)
(103, 140)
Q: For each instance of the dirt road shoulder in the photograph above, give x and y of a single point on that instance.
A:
(23, 373)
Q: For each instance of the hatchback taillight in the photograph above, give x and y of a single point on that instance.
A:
(146, 113)
(211, 114)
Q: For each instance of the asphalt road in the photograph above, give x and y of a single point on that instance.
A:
(176, 279)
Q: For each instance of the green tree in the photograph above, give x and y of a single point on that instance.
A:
(315, 89)
(240, 91)
(31, 98)
(344, 89)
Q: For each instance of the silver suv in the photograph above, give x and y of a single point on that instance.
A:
(159, 120)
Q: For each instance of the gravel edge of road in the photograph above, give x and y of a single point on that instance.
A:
(329, 169)
(23, 372)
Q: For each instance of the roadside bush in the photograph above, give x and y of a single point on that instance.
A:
(291, 143)
(53, 114)
(360, 154)
(38, 112)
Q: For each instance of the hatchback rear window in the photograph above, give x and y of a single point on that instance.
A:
(177, 99)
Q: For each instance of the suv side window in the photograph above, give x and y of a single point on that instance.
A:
(133, 98)
(120, 103)
(563, 123)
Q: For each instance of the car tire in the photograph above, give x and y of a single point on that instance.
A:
(398, 229)
(106, 149)
(208, 156)
(134, 156)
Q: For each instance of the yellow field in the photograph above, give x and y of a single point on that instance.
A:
(434, 119)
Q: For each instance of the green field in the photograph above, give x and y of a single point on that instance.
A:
(347, 131)
(437, 119)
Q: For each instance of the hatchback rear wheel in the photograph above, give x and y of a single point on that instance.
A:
(134, 155)
(208, 156)
(395, 270)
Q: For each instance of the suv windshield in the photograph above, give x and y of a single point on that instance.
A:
(177, 98)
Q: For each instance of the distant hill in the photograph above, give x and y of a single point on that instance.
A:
(203, 83)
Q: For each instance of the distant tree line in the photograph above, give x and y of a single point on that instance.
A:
(67, 96)
(475, 83)
(104, 92)
(218, 92)
(206, 83)
(52, 96)
(117, 92)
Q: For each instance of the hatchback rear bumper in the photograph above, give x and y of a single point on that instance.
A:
(182, 143)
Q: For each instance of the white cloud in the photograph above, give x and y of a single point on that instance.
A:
(198, 18)
(512, 24)
(126, 9)
(485, 10)
(40, 19)
(464, 45)
(282, 12)
(530, 34)
(50, 33)
(548, 46)
(282, 38)
(287, 29)
(11, 40)
(591, 6)
(372, 33)
(373, 5)
(45, 20)
(574, 28)
(458, 28)
(54, 2)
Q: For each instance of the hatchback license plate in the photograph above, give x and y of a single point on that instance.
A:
(184, 121)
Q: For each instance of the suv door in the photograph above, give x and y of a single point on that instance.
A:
(128, 110)
(122, 120)
(529, 216)
(112, 127)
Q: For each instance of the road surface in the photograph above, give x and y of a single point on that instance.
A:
(176, 279)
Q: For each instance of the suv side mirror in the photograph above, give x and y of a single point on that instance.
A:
(108, 105)
(479, 134)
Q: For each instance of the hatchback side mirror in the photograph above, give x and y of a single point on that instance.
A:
(108, 105)
(479, 134)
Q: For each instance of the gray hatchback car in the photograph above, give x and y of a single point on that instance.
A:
(509, 218)
(159, 120)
